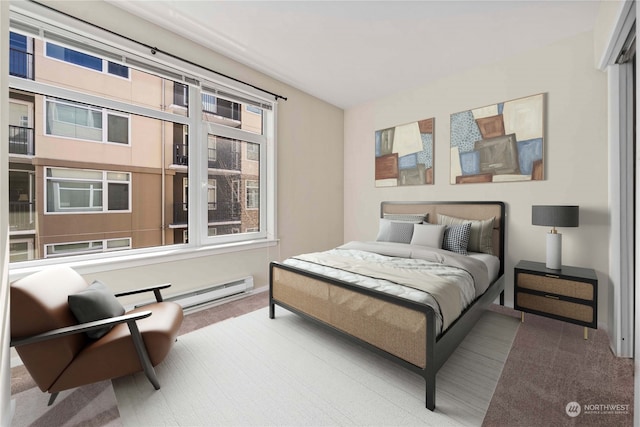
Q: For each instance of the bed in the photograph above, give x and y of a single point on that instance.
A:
(402, 296)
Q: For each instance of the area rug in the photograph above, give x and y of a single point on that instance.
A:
(255, 371)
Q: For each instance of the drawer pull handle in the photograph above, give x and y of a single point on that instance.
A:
(552, 296)
(553, 276)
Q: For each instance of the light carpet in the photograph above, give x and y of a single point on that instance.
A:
(255, 371)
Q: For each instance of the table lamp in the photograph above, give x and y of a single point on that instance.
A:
(555, 216)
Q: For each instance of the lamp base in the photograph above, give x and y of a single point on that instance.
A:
(554, 251)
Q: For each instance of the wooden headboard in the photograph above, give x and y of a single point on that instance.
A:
(468, 210)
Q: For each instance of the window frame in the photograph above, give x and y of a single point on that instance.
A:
(105, 181)
(103, 249)
(48, 20)
(104, 113)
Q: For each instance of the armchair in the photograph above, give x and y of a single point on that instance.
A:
(54, 345)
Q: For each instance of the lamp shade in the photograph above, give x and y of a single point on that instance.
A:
(555, 216)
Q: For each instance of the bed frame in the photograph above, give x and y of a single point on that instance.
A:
(400, 330)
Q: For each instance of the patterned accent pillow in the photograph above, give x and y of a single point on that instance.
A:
(481, 237)
(456, 238)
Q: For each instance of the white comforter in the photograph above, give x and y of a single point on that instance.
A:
(469, 275)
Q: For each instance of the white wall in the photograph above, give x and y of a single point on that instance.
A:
(575, 154)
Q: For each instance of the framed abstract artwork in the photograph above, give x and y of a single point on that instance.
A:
(404, 154)
(499, 143)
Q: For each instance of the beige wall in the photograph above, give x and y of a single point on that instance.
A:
(140, 88)
(309, 166)
(575, 154)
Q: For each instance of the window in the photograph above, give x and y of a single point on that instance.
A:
(253, 152)
(118, 70)
(134, 180)
(77, 190)
(253, 194)
(180, 95)
(212, 194)
(209, 103)
(20, 56)
(85, 60)
(88, 247)
(73, 120)
(20, 250)
(235, 188)
(212, 155)
(185, 194)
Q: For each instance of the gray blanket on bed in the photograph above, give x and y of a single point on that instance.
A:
(476, 268)
(415, 273)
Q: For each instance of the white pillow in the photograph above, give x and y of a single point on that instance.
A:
(428, 235)
(385, 232)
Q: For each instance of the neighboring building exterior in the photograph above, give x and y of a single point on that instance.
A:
(86, 179)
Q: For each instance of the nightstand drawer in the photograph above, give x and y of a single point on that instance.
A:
(556, 285)
(558, 307)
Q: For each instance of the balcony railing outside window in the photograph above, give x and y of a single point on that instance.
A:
(21, 140)
(181, 154)
(220, 107)
(22, 216)
(20, 63)
(233, 212)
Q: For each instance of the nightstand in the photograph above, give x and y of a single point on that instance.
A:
(569, 294)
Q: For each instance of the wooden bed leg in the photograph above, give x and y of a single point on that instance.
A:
(502, 298)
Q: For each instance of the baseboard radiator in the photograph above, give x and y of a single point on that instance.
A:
(200, 297)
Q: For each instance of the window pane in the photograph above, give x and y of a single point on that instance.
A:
(211, 148)
(212, 193)
(19, 56)
(253, 194)
(73, 56)
(118, 70)
(180, 94)
(118, 129)
(69, 196)
(18, 41)
(117, 176)
(66, 249)
(74, 173)
(73, 121)
(231, 168)
(253, 151)
(118, 197)
(114, 244)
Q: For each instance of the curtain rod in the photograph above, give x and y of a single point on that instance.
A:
(155, 50)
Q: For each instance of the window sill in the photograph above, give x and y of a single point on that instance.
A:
(106, 263)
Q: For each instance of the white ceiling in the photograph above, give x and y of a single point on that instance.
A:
(351, 52)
